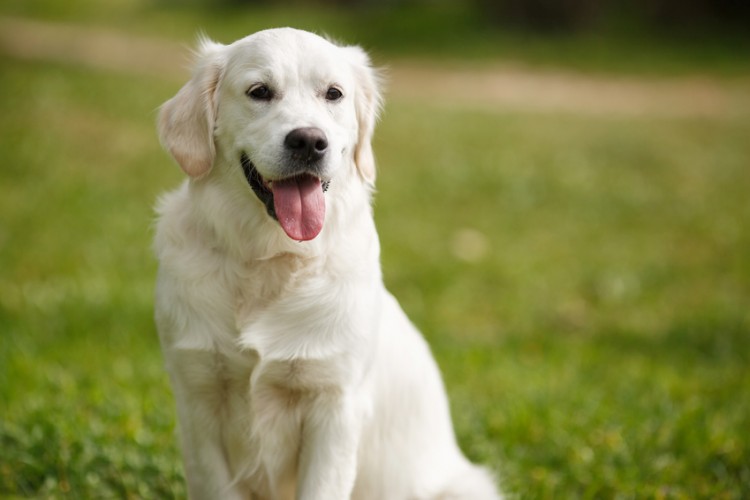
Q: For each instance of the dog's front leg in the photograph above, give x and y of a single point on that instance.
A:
(328, 458)
(206, 469)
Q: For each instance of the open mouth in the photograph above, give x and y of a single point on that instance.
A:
(296, 202)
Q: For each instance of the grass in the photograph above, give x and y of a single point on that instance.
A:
(583, 281)
(86, 410)
(600, 346)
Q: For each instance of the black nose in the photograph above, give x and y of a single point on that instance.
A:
(308, 144)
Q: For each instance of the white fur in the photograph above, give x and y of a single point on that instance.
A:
(295, 373)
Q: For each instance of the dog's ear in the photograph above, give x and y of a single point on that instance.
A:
(186, 121)
(368, 102)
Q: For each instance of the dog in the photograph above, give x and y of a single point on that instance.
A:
(295, 373)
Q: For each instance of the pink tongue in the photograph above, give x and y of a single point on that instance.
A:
(300, 206)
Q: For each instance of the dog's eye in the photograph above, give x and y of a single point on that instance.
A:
(333, 94)
(260, 93)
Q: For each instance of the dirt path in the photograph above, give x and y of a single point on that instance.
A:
(507, 87)
(495, 87)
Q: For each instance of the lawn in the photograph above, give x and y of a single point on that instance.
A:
(583, 280)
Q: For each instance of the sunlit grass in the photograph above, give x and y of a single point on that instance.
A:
(583, 280)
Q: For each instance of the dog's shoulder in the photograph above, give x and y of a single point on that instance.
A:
(184, 244)
(173, 214)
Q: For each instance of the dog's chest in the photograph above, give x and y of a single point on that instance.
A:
(261, 284)
(294, 308)
(275, 393)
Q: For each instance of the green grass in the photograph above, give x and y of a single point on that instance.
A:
(85, 407)
(584, 281)
(600, 347)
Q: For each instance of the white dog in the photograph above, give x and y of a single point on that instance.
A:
(295, 373)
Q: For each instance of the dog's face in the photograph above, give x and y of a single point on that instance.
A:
(288, 110)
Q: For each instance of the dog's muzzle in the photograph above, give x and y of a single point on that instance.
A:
(297, 201)
(261, 187)
(296, 198)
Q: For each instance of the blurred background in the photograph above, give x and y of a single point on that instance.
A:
(562, 204)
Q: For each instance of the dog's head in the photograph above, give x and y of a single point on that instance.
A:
(288, 110)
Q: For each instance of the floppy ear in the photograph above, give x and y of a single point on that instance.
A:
(367, 104)
(186, 121)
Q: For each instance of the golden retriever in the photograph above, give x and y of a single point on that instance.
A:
(295, 373)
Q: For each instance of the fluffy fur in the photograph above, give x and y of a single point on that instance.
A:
(295, 373)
